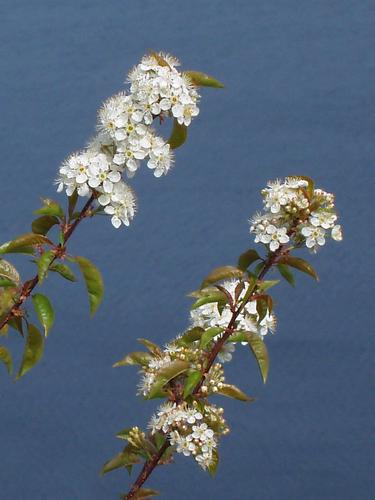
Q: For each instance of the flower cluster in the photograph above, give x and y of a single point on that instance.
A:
(295, 212)
(126, 137)
(159, 87)
(173, 351)
(193, 430)
(150, 371)
(209, 315)
(215, 378)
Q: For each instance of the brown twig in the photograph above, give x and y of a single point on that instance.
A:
(29, 285)
(147, 469)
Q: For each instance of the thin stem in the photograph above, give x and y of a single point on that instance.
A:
(29, 285)
(150, 464)
(147, 469)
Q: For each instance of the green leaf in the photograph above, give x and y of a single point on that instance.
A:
(178, 135)
(202, 80)
(222, 273)
(145, 493)
(4, 282)
(134, 358)
(286, 273)
(190, 336)
(16, 324)
(61, 238)
(63, 270)
(212, 468)
(24, 243)
(262, 308)
(43, 264)
(6, 358)
(208, 299)
(8, 297)
(191, 381)
(25, 250)
(310, 182)
(238, 336)
(165, 375)
(50, 207)
(157, 389)
(94, 282)
(259, 349)
(208, 335)
(159, 439)
(43, 224)
(247, 258)
(204, 292)
(72, 203)
(153, 348)
(232, 391)
(33, 350)
(258, 269)
(9, 272)
(174, 369)
(44, 311)
(4, 330)
(262, 286)
(9, 292)
(122, 459)
(300, 264)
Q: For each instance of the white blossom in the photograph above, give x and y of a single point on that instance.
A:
(314, 236)
(126, 138)
(326, 220)
(189, 430)
(121, 205)
(225, 354)
(208, 315)
(294, 212)
(161, 159)
(336, 233)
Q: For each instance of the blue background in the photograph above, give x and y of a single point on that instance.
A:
(299, 98)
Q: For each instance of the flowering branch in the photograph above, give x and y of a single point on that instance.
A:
(58, 251)
(233, 306)
(158, 90)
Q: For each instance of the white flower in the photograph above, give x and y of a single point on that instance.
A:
(268, 324)
(276, 195)
(202, 432)
(73, 174)
(185, 112)
(324, 219)
(296, 182)
(314, 236)
(225, 354)
(161, 159)
(208, 315)
(336, 233)
(102, 174)
(117, 114)
(158, 88)
(121, 204)
(274, 237)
